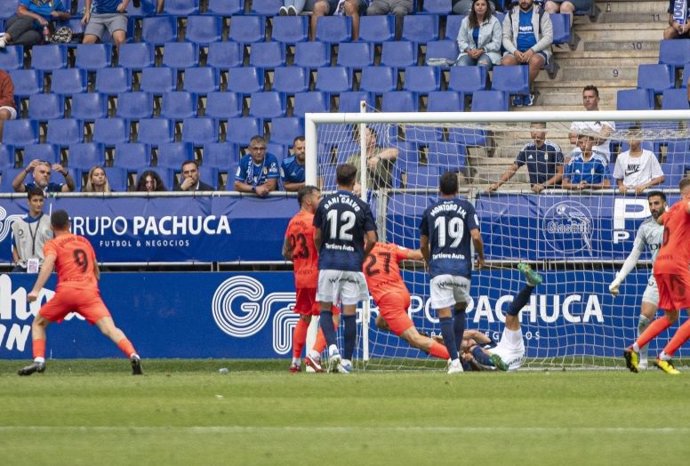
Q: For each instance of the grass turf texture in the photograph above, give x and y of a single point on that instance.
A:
(184, 412)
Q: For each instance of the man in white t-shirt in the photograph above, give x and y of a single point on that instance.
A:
(600, 129)
(637, 169)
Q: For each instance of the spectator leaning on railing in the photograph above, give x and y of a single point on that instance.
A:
(41, 171)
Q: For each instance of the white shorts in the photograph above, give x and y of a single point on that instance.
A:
(651, 293)
(511, 348)
(341, 286)
(446, 290)
(12, 110)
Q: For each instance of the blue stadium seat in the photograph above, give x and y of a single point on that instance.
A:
(678, 152)
(686, 76)
(147, 8)
(290, 79)
(157, 30)
(467, 79)
(201, 81)
(135, 56)
(112, 81)
(178, 105)
(562, 33)
(674, 52)
(378, 79)
(177, 55)
(224, 55)
(46, 107)
(447, 49)
(158, 80)
(675, 99)
(134, 105)
(334, 29)
(181, 7)
(12, 57)
(290, 29)
(447, 154)
(172, 154)
(399, 54)
(420, 28)
(223, 105)
(68, 81)
(110, 131)
(155, 131)
(468, 137)
(376, 29)
(655, 77)
(421, 177)
(268, 104)
(247, 29)
(349, 101)
(117, 178)
(89, 106)
(635, 99)
(437, 7)
(267, 55)
(8, 175)
(48, 57)
(221, 155)
(333, 79)
(310, 102)
(266, 7)
(132, 156)
(209, 175)
(422, 79)
(65, 132)
(47, 152)
(8, 9)
(445, 101)
(399, 101)
(422, 134)
(84, 155)
(355, 55)
(285, 130)
(6, 157)
(225, 7)
(313, 54)
(203, 30)
(489, 101)
(453, 23)
(199, 130)
(26, 82)
(279, 150)
(511, 79)
(673, 173)
(91, 57)
(245, 80)
(242, 129)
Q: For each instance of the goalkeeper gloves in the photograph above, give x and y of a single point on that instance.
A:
(614, 287)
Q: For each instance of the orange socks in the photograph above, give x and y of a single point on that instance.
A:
(320, 343)
(39, 348)
(126, 347)
(681, 336)
(438, 350)
(654, 329)
(299, 337)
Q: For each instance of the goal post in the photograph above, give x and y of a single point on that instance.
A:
(577, 240)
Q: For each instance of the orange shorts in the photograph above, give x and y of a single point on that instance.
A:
(306, 303)
(393, 309)
(674, 290)
(86, 302)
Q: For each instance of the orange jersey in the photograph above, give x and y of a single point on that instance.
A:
(674, 255)
(305, 258)
(75, 260)
(382, 270)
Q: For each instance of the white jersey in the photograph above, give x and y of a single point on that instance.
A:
(592, 128)
(649, 236)
(636, 171)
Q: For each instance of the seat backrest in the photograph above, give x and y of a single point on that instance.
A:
(399, 54)
(268, 104)
(181, 7)
(246, 29)
(266, 7)
(674, 52)
(511, 79)
(132, 155)
(349, 101)
(199, 130)
(333, 79)
(655, 77)
(290, 29)
(334, 29)
(635, 99)
(117, 178)
(399, 101)
(225, 7)
(157, 30)
(467, 79)
(267, 55)
(561, 28)
(110, 131)
(223, 105)
(112, 81)
(377, 29)
(46, 107)
(178, 55)
(290, 79)
(422, 79)
(155, 131)
(420, 28)
(355, 55)
(445, 101)
(68, 81)
(204, 29)
(12, 57)
(49, 57)
(46, 152)
(201, 80)
(85, 155)
(242, 129)
(489, 101)
(135, 55)
(158, 80)
(172, 154)
(88, 106)
(26, 82)
(312, 54)
(179, 105)
(378, 79)
(447, 49)
(306, 102)
(675, 99)
(65, 132)
(134, 105)
(245, 80)
(453, 23)
(439, 7)
(284, 130)
(224, 55)
(221, 155)
(91, 57)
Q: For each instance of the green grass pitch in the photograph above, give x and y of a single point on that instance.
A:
(184, 412)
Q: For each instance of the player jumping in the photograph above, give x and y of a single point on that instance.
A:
(77, 290)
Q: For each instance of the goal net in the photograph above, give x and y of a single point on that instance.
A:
(576, 239)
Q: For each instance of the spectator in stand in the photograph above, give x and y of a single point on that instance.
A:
(527, 38)
(463, 7)
(480, 36)
(292, 168)
(600, 129)
(97, 181)
(28, 26)
(637, 169)
(544, 161)
(190, 178)
(399, 8)
(291, 7)
(379, 162)
(258, 172)
(678, 20)
(8, 110)
(352, 8)
(584, 171)
(105, 14)
(150, 181)
(41, 173)
(563, 7)
(148, 5)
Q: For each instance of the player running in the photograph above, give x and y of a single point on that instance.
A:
(382, 272)
(649, 236)
(300, 249)
(445, 233)
(673, 280)
(77, 290)
(344, 234)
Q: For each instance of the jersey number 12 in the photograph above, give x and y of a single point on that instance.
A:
(346, 222)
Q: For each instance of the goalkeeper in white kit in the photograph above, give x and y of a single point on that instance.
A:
(649, 236)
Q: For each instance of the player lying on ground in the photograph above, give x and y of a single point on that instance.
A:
(673, 280)
(73, 258)
(649, 236)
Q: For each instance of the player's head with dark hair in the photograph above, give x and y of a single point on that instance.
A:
(657, 203)
(59, 220)
(593, 88)
(684, 183)
(590, 97)
(345, 175)
(305, 193)
(448, 184)
(659, 194)
(299, 148)
(35, 191)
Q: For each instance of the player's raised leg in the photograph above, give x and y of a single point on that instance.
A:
(682, 335)
(631, 353)
(117, 336)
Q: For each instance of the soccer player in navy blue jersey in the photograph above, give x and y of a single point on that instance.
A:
(344, 233)
(445, 233)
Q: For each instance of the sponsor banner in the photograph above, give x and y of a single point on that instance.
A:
(250, 315)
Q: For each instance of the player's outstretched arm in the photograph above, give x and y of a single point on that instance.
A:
(414, 255)
(43, 276)
(628, 265)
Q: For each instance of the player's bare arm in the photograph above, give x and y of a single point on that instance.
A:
(478, 247)
(317, 238)
(43, 276)
(369, 242)
(478, 337)
(424, 247)
(287, 250)
(414, 255)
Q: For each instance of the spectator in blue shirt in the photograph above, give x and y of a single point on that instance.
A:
(41, 174)
(26, 27)
(258, 172)
(105, 15)
(584, 171)
(292, 168)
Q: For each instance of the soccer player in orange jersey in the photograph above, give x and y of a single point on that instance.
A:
(672, 276)
(300, 249)
(382, 272)
(73, 258)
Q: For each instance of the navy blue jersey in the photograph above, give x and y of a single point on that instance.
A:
(343, 219)
(542, 162)
(448, 223)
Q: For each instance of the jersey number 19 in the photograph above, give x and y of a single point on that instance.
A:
(449, 228)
